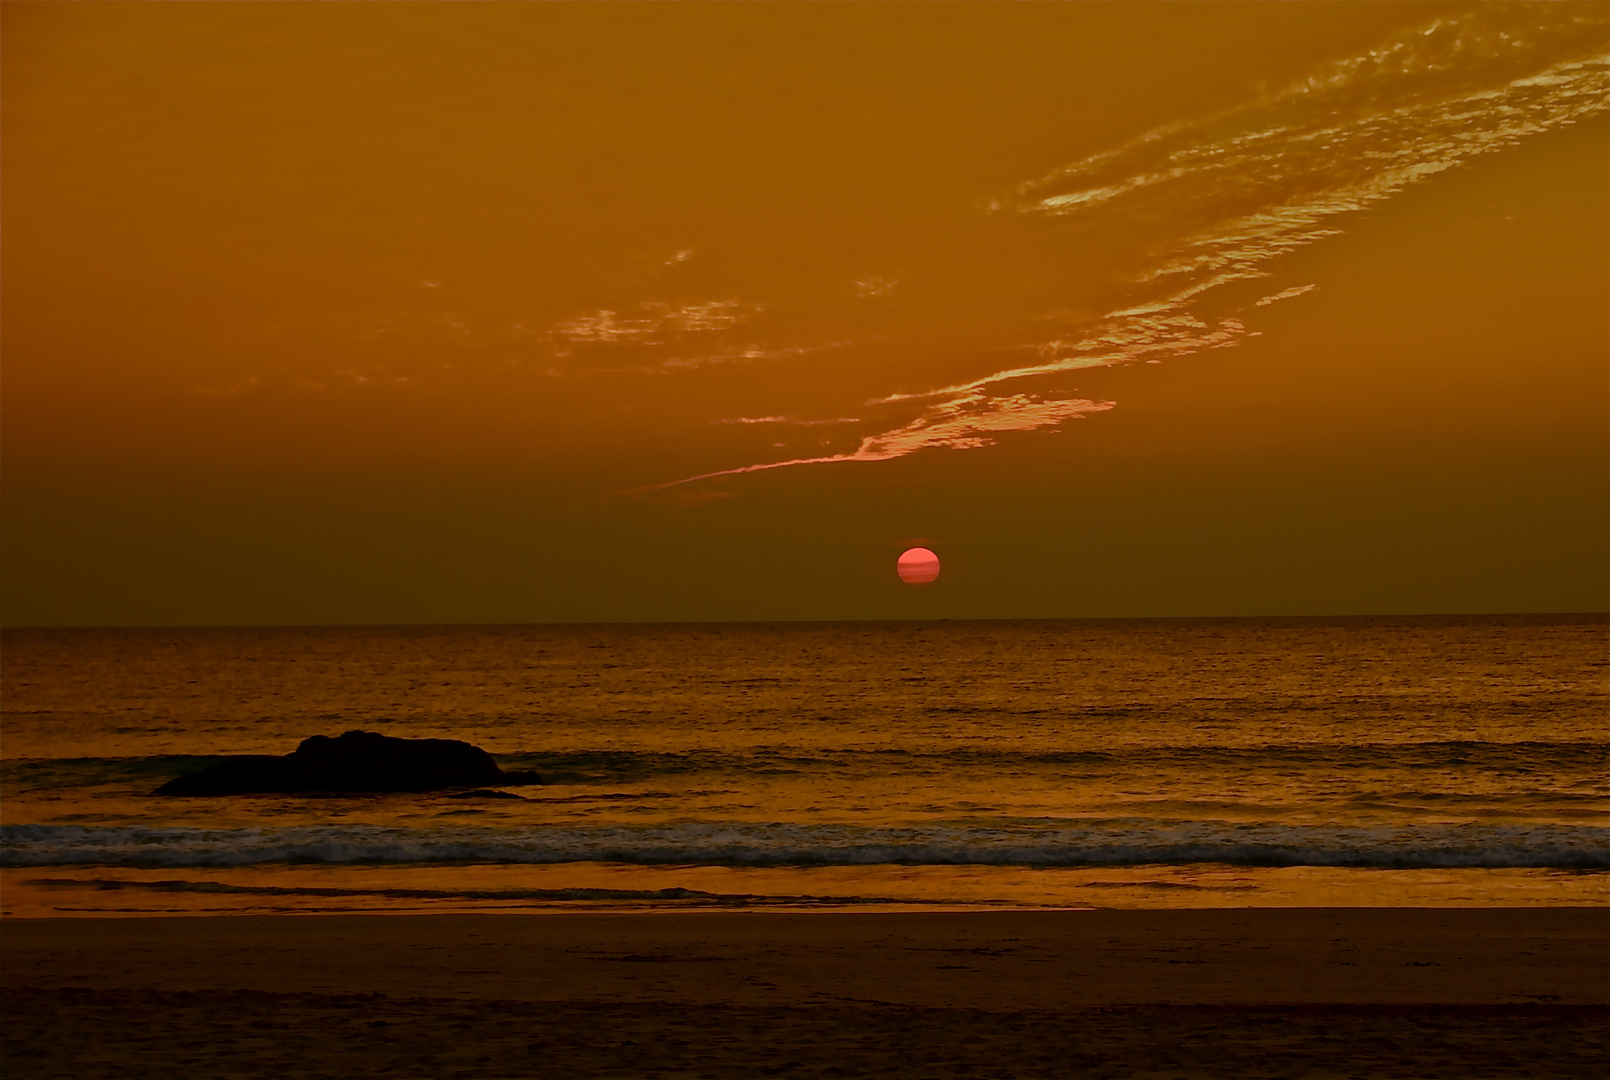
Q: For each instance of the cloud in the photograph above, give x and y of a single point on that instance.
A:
(651, 323)
(966, 421)
(786, 420)
(1285, 294)
(1235, 191)
(1216, 201)
(872, 285)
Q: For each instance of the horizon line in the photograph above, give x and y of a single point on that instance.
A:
(1593, 615)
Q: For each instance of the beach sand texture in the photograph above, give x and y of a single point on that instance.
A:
(1317, 992)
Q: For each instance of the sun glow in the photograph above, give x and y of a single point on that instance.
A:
(917, 566)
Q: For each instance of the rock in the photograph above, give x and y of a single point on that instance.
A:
(357, 761)
(234, 776)
(486, 793)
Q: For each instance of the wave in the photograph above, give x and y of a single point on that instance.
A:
(1113, 842)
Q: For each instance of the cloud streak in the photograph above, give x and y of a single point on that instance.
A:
(965, 422)
(1217, 201)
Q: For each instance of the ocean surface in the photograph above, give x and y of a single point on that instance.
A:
(1034, 763)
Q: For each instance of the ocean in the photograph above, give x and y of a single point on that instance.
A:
(1049, 763)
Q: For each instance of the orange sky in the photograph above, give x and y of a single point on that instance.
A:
(434, 312)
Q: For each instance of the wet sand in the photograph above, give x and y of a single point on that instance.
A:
(1286, 992)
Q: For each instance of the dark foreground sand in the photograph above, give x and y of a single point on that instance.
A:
(1313, 992)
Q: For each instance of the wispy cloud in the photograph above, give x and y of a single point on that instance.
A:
(1218, 200)
(1197, 211)
(1284, 294)
(651, 323)
(785, 420)
(964, 422)
(1237, 191)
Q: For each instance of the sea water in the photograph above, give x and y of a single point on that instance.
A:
(1055, 762)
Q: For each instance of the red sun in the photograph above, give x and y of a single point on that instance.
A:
(917, 566)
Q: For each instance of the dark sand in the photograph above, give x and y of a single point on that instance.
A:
(1284, 992)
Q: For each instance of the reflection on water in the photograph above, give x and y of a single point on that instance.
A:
(891, 753)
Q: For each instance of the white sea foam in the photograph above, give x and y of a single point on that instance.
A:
(1119, 842)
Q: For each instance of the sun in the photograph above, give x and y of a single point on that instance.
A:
(917, 566)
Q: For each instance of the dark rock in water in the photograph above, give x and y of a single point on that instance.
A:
(234, 776)
(357, 761)
(486, 793)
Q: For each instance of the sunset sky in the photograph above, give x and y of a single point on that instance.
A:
(372, 313)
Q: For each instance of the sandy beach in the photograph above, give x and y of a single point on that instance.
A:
(1314, 992)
